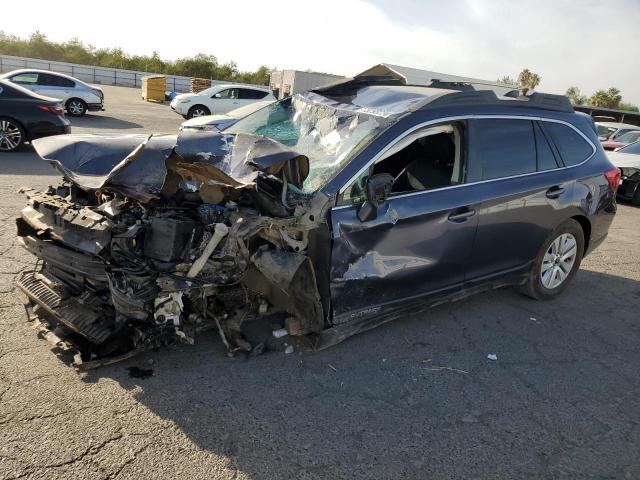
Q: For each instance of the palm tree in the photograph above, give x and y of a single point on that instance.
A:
(528, 80)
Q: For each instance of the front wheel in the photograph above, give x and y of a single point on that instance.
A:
(11, 135)
(198, 111)
(76, 107)
(557, 262)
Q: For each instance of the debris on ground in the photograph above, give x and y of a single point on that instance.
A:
(492, 356)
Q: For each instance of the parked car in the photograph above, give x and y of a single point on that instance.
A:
(77, 97)
(220, 122)
(25, 116)
(218, 100)
(320, 216)
(610, 131)
(622, 140)
(627, 159)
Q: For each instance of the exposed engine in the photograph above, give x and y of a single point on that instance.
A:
(130, 262)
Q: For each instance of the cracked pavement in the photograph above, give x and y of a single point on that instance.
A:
(417, 398)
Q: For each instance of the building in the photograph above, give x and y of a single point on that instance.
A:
(287, 82)
(600, 114)
(426, 78)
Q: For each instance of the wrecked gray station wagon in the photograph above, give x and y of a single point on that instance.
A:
(325, 214)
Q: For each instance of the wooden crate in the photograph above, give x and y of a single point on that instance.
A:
(153, 88)
(199, 84)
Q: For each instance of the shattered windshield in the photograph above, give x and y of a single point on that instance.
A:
(328, 136)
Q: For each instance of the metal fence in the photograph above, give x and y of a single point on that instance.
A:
(91, 74)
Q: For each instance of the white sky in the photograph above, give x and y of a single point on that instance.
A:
(588, 43)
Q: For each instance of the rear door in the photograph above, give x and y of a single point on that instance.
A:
(55, 86)
(250, 95)
(515, 166)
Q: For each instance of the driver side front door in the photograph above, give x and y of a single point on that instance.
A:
(418, 244)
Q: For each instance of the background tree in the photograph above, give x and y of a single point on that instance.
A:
(609, 98)
(576, 96)
(202, 65)
(508, 80)
(628, 106)
(528, 80)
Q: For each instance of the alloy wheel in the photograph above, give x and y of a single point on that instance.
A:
(75, 107)
(10, 136)
(198, 113)
(558, 261)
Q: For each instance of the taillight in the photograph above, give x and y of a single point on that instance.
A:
(55, 109)
(613, 178)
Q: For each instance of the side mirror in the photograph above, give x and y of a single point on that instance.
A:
(378, 189)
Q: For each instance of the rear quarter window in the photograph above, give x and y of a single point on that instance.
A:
(573, 148)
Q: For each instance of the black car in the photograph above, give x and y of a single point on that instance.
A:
(317, 217)
(25, 116)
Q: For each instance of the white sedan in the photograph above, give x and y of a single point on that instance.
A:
(627, 159)
(218, 100)
(225, 120)
(77, 97)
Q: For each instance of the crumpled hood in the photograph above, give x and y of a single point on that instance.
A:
(184, 96)
(137, 165)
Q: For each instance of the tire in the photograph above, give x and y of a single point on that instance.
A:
(550, 275)
(198, 111)
(12, 135)
(76, 107)
(635, 200)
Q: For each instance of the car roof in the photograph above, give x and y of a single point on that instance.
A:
(618, 125)
(262, 88)
(36, 70)
(388, 97)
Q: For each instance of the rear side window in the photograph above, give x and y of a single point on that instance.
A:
(500, 148)
(49, 80)
(573, 148)
(249, 94)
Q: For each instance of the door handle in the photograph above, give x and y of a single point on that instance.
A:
(554, 192)
(461, 215)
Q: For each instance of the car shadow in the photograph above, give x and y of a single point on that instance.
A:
(93, 120)
(24, 161)
(413, 397)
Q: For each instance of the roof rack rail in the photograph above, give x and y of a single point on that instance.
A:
(544, 101)
(463, 94)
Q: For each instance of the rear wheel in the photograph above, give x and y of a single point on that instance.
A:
(76, 107)
(198, 111)
(12, 135)
(556, 263)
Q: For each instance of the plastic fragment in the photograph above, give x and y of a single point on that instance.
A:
(281, 332)
(492, 356)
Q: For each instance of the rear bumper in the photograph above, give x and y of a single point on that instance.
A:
(48, 129)
(95, 107)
